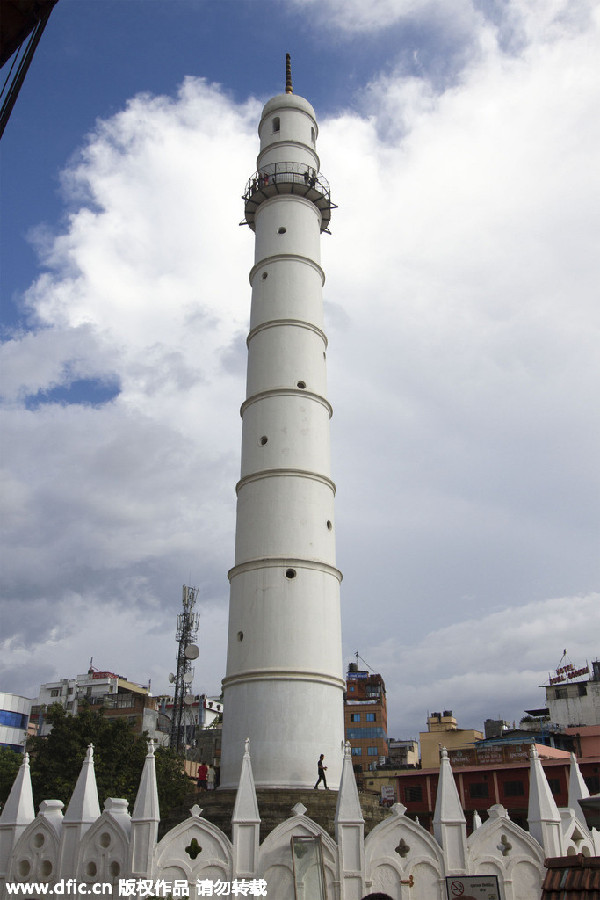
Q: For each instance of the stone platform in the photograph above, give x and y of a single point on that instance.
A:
(274, 807)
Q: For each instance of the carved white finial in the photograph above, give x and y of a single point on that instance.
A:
(247, 747)
(533, 754)
(444, 753)
(150, 747)
(90, 752)
(195, 811)
(347, 749)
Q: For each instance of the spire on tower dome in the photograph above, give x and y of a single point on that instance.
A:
(288, 74)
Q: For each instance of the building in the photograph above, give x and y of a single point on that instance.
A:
(365, 718)
(571, 698)
(14, 721)
(486, 775)
(284, 684)
(403, 754)
(116, 695)
(443, 731)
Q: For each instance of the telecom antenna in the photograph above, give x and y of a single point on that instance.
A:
(187, 630)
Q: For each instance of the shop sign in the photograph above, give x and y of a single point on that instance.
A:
(568, 673)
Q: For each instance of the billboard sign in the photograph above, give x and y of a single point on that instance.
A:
(472, 887)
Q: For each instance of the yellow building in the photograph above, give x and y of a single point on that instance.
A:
(443, 731)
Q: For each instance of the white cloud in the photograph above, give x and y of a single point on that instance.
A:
(487, 667)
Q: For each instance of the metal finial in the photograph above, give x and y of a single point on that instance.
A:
(288, 74)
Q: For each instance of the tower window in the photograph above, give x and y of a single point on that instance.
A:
(240, 637)
(263, 440)
(312, 133)
(281, 230)
(329, 525)
(301, 385)
(277, 125)
(265, 275)
(290, 573)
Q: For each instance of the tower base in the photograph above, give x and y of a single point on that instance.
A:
(275, 806)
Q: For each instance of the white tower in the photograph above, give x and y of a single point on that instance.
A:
(284, 683)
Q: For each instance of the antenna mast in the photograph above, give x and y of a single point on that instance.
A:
(187, 630)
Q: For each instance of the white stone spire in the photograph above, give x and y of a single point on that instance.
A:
(18, 809)
(350, 832)
(284, 682)
(145, 818)
(82, 812)
(17, 814)
(449, 823)
(543, 816)
(245, 821)
(578, 789)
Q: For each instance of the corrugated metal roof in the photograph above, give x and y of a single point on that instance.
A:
(572, 878)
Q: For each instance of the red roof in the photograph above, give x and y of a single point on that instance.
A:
(572, 878)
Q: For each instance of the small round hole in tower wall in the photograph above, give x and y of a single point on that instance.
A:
(265, 275)
(301, 384)
(281, 230)
(263, 440)
(240, 636)
(290, 573)
(329, 525)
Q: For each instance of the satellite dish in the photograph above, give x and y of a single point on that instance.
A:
(188, 699)
(188, 677)
(171, 678)
(191, 651)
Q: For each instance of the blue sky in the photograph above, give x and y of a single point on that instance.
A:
(461, 304)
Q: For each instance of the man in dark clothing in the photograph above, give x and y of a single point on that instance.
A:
(321, 770)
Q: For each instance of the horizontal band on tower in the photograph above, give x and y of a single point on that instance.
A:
(286, 392)
(284, 675)
(298, 323)
(274, 473)
(284, 562)
(295, 144)
(286, 257)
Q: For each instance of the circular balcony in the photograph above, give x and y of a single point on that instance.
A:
(287, 178)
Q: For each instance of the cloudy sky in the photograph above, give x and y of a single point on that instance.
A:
(461, 143)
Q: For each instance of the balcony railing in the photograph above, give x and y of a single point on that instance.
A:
(288, 178)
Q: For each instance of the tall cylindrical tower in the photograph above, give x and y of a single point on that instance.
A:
(284, 683)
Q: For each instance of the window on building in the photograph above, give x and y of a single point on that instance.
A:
(351, 688)
(554, 785)
(355, 717)
(12, 719)
(371, 732)
(582, 689)
(413, 794)
(478, 790)
(373, 751)
(357, 751)
(54, 692)
(276, 124)
(514, 789)
(370, 717)
(593, 783)
(561, 693)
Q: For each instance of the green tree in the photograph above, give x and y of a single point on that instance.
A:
(119, 755)
(10, 761)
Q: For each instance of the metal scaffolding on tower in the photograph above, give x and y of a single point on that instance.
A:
(187, 630)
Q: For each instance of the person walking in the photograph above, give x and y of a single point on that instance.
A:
(202, 773)
(321, 770)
